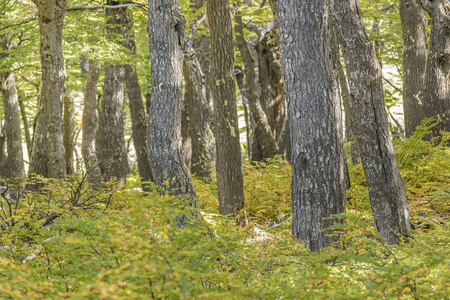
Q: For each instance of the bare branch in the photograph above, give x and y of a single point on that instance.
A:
(103, 6)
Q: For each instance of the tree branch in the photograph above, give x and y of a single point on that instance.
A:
(96, 7)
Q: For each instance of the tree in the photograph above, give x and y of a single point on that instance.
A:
(223, 89)
(318, 189)
(14, 166)
(137, 110)
(90, 123)
(69, 131)
(47, 152)
(386, 188)
(266, 146)
(437, 74)
(112, 151)
(166, 25)
(198, 111)
(414, 58)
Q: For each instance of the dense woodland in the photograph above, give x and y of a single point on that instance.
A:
(192, 149)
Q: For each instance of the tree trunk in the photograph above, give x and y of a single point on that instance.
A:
(199, 114)
(248, 125)
(386, 189)
(271, 88)
(339, 73)
(223, 88)
(47, 153)
(89, 125)
(26, 127)
(14, 162)
(437, 74)
(318, 189)
(69, 131)
(166, 29)
(113, 155)
(186, 140)
(266, 141)
(137, 111)
(414, 61)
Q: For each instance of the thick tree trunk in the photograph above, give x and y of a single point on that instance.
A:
(14, 163)
(265, 139)
(166, 30)
(223, 87)
(318, 189)
(386, 189)
(414, 61)
(47, 153)
(69, 131)
(90, 123)
(437, 74)
(113, 154)
(137, 111)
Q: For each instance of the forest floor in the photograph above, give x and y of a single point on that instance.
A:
(119, 244)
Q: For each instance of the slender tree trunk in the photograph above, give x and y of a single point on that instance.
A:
(89, 125)
(199, 114)
(266, 140)
(223, 87)
(199, 111)
(241, 85)
(137, 110)
(47, 153)
(166, 29)
(339, 73)
(113, 155)
(186, 140)
(318, 189)
(69, 131)
(26, 127)
(386, 189)
(271, 88)
(14, 163)
(437, 74)
(414, 61)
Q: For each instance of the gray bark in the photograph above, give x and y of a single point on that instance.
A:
(414, 61)
(166, 31)
(437, 74)
(94, 175)
(386, 189)
(202, 139)
(344, 93)
(137, 110)
(47, 153)
(270, 81)
(266, 146)
(113, 154)
(14, 162)
(318, 188)
(223, 87)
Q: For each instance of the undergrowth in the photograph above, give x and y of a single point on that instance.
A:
(69, 241)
